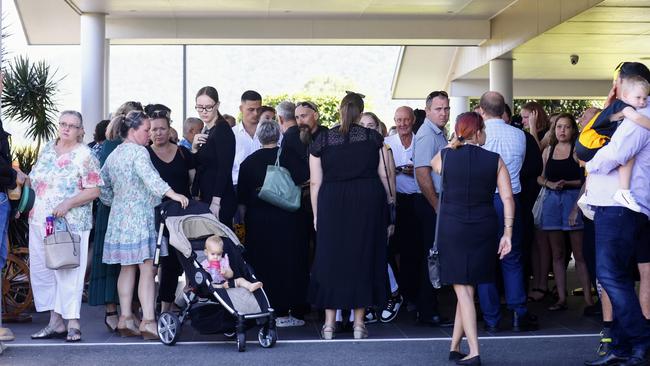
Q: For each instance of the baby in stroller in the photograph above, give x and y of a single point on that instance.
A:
(218, 266)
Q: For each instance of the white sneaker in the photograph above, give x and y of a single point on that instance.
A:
(288, 321)
(625, 198)
(585, 207)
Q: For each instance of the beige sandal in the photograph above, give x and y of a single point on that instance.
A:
(147, 333)
(127, 328)
(360, 332)
(327, 332)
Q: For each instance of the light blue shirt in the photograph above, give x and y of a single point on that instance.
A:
(629, 141)
(429, 140)
(510, 143)
(186, 144)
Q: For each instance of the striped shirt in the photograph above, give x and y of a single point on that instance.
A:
(510, 143)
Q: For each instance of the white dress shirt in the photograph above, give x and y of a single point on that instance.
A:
(244, 146)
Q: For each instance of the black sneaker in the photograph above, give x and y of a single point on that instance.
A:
(371, 316)
(392, 308)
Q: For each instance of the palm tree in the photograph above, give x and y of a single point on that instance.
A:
(28, 97)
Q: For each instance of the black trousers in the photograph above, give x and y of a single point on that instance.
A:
(404, 247)
(426, 302)
(170, 269)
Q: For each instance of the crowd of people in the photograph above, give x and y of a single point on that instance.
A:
(504, 198)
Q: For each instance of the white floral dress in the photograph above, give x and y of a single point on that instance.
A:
(132, 188)
(58, 177)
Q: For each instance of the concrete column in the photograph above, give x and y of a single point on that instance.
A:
(457, 105)
(501, 79)
(93, 35)
(107, 67)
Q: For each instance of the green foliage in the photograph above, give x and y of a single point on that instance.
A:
(28, 97)
(26, 156)
(328, 106)
(573, 106)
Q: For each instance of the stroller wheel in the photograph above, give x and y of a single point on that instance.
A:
(241, 342)
(267, 337)
(169, 328)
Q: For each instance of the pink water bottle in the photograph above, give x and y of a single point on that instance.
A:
(49, 225)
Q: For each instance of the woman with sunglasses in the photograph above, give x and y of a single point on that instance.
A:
(214, 151)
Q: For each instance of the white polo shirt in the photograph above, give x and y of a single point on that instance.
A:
(402, 156)
(244, 146)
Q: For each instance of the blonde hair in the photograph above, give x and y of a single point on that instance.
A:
(113, 128)
(214, 239)
(631, 81)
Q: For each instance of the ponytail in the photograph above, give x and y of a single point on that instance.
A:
(350, 111)
(457, 142)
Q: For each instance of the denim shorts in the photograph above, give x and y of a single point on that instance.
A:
(556, 210)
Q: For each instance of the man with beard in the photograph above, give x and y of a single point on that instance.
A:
(298, 138)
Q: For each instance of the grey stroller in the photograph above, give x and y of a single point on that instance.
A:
(211, 310)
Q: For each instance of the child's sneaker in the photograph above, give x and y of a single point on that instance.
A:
(371, 316)
(288, 321)
(585, 207)
(625, 198)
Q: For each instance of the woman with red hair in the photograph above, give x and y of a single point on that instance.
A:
(470, 176)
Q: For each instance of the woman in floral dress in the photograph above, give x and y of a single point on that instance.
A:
(133, 188)
(66, 180)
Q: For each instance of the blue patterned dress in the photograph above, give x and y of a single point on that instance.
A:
(132, 188)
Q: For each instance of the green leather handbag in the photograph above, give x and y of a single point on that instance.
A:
(278, 188)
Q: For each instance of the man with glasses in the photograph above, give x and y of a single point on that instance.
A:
(245, 137)
(429, 140)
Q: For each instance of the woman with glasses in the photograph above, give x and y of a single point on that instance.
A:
(173, 163)
(102, 289)
(66, 180)
(133, 188)
(214, 151)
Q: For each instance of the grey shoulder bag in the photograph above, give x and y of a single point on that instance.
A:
(278, 188)
(434, 259)
(62, 249)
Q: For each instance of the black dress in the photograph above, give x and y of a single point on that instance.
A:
(468, 230)
(214, 170)
(349, 269)
(276, 245)
(176, 174)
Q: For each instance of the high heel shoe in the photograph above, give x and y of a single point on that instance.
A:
(327, 332)
(126, 327)
(474, 361)
(147, 333)
(108, 325)
(360, 332)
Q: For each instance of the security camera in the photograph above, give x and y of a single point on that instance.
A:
(574, 59)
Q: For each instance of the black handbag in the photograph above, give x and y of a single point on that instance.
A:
(434, 259)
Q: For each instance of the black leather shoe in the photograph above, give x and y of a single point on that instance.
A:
(475, 361)
(436, 321)
(524, 323)
(608, 359)
(455, 356)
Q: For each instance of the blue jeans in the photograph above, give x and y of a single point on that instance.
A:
(512, 269)
(5, 209)
(616, 229)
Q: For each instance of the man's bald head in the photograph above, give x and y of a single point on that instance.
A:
(492, 104)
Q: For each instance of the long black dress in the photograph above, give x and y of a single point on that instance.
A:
(214, 170)
(349, 269)
(468, 229)
(276, 243)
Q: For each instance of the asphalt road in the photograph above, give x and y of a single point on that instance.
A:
(549, 351)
